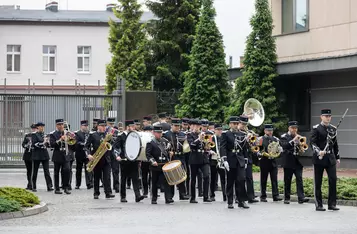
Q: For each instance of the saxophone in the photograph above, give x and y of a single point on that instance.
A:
(102, 149)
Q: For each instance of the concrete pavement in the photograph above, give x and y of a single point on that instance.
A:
(80, 213)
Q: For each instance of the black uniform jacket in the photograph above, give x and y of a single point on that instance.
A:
(59, 149)
(156, 152)
(81, 138)
(289, 159)
(39, 150)
(92, 144)
(26, 144)
(235, 153)
(318, 142)
(198, 155)
(265, 161)
(176, 145)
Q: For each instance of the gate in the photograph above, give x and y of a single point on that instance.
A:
(18, 111)
(167, 100)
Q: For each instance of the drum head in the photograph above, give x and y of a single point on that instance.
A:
(171, 165)
(132, 146)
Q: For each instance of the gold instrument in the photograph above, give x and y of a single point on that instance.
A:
(70, 137)
(102, 149)
(208, 141)
(302, 145)
(274, 150)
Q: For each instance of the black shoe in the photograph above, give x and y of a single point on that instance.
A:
(138, 199)
(200, 195)
(89, 186)
(77, 187)
(123, 200)
(96, 196)
(213, 199)
(169, 201)
(193, 201)
(101, 186)
(70, 188)
(277, 199)
(230, 206)
(287, 202)
(117, 191)
(305, 200)
(154, 202)
(28, 187)
(50, 189)
(333, 208)
(58, 192)
(66, 191)
(236, 201)
(145, 196)
(184, 197)
(109, 196)
(253, 201)
(207, 199)
(320, 208)
(243, 205)
(224, 198)
(34, 190)
(128, 187)
(263, 200)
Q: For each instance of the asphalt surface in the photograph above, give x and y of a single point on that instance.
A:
(80, 213)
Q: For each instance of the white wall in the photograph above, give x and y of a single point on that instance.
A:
(66, 38)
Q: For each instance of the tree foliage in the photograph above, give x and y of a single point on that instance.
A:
(172, 35)
(206, 85)
(259, 69)
(128, 45)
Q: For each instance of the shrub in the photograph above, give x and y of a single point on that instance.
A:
(23, 197)
(256, 168)
(346, 188)
(8, 205)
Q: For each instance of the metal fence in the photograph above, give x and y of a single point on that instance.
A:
(167, 100)
(18, 111)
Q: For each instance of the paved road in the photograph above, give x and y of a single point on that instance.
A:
(79, 213)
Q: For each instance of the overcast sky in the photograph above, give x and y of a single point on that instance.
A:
(232, 18)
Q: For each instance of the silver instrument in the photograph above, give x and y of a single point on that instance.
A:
(254, 110)
(219, 159)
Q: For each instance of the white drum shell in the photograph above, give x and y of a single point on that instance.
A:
(135, 145)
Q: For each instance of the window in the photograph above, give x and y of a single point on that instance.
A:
(294, 16)
(13, 53)
(49, 58)
(83, 59)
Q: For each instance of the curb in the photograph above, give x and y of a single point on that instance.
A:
(294, 198)
(38, 209)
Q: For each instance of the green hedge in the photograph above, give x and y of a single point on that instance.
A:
(9, 205)
(22, 196)
(346, 188)
(256, 169)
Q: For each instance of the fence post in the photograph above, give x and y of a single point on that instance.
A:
(152, 83)
(6, 134)
(5, 85)
(29, 86)
(123, 100)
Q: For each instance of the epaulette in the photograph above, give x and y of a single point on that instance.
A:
(91, 132)
(315, 126)
(276, 138)
(284, 135)
(52, 132)
(333, 126)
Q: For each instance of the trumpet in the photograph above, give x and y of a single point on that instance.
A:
(302, 145)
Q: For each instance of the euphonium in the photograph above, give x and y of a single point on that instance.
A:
(102, 149)
(274, 150)
(208, 141)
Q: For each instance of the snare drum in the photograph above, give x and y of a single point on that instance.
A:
(135, 145)
(174, 172)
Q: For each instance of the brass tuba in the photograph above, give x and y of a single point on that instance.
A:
(102, 149)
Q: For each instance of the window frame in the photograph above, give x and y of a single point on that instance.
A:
(48, 55)
(12, 53)
(83, 55)
(307, 27)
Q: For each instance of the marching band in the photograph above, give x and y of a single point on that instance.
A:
(164, 155)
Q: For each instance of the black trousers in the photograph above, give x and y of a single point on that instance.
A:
(332, 178)
(62, 167)
(264, 172)
(115, 173)
(199, 181)
(205, 168)
(88, 175)
(155, 177)
(102, 171)
(145, 176)
(129, 171)
(188, 171)
(288, 175)
(46, 172)
(28, 164)
(236, 176)
(249, 182)
(214, 178)
(70, 174)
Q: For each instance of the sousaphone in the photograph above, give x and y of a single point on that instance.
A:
(254, 110)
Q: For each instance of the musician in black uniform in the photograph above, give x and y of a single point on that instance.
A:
(216, 165)
(40, 156)
(114, 164)
(291, 164)
(137, 124)
(147, 121)
(71, 152)
(268, 165)
(102, 169)
(81, 157)
(27, 156)
(234, 153)
(326, 156)
(145, 168)
(176, 139)
(185, 128)
(128, 169)
(199, 159)
(163, 122)
(157, 154)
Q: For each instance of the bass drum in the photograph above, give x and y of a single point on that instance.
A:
(135, 145)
